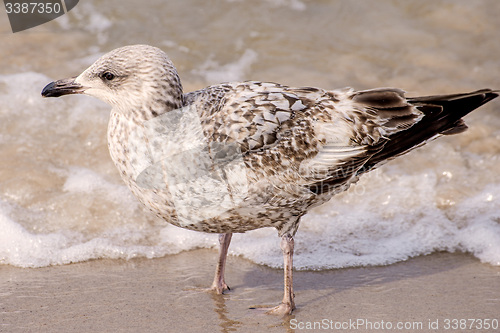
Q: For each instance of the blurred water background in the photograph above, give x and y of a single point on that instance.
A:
(62, 201)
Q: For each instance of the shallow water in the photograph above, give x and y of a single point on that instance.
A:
(61, 199)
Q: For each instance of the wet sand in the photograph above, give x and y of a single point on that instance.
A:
(167, 295)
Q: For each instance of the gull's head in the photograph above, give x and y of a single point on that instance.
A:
(128, 78)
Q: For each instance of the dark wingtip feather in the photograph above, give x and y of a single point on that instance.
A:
(383, 98)
(457, 128)
(442, 115)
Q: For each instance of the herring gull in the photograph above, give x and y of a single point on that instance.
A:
(238, 156)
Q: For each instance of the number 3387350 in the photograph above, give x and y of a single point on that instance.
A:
(33, 8)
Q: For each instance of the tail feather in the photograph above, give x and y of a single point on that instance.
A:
(406, 129)
(442, 116)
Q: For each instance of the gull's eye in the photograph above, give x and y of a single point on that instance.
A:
(108, 76)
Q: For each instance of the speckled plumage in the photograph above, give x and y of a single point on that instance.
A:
(290, 139)
(290, 148)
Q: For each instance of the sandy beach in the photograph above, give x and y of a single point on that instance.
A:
(167, 295)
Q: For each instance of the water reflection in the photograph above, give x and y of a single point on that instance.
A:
(226, 324)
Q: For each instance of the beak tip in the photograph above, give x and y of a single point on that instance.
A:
(48, 89)
(62, 87)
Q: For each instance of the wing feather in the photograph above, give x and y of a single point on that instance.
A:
(317, 138)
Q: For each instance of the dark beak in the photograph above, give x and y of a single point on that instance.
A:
(62, 87)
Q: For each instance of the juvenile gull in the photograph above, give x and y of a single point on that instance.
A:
(245, 155)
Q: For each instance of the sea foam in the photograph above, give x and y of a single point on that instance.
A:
(62, 200)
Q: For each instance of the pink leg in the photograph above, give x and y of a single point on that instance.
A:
(219, 285)
(288, 304)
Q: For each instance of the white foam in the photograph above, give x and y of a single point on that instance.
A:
(293, 4)
(21, 248)
(480, 234)
(87, 18)
(213, 72)
(62, 202)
